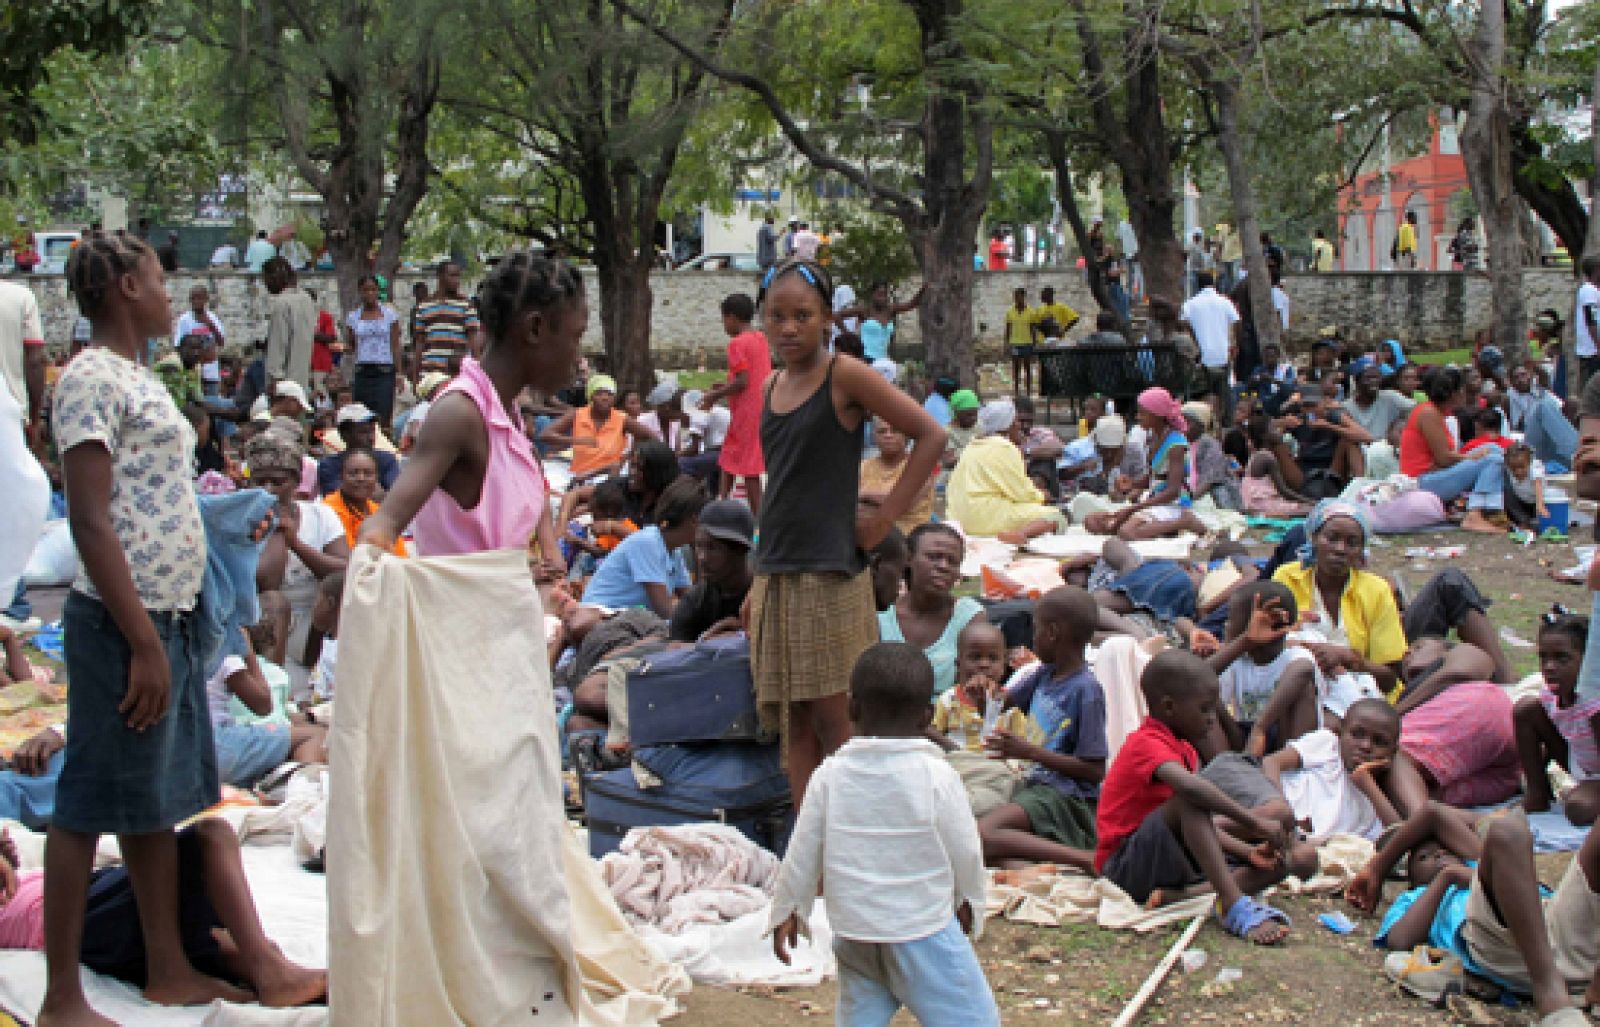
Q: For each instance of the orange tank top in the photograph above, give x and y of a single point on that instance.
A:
(610, 441)
(1416, 459)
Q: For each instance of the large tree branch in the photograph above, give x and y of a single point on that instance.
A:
(882, 196)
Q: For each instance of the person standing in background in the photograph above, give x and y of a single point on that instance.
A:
(997, 251)
(448, 324)
(1586, 322)
(766, 244)
(259, 252)
(1405, 243)
(749, 366)
(22, 357)
(1321, 252)
(291, 324)
(168, 253)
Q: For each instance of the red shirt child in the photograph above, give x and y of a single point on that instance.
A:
(741, 448)
(1131, 792)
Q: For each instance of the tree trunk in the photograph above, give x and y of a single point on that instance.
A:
(1486, 150)
(1056, 145)
(1557, 205)
(1263, 315)
(625, 300)
(1591, 248)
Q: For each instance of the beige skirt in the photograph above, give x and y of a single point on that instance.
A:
(806, 633)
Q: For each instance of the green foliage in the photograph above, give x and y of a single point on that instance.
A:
(32, 33)
(870, 248)
(1023, 194)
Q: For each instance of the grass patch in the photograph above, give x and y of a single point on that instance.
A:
(1446, 356)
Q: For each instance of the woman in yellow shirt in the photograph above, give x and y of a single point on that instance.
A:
(879, 474)
(990, 492)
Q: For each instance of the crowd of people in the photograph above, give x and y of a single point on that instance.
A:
(1181, 725)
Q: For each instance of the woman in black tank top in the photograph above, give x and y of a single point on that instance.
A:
(811, 608)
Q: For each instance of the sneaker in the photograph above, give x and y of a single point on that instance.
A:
(21, 627)
(1428, 973)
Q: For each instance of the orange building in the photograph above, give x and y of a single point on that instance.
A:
(1371, 210)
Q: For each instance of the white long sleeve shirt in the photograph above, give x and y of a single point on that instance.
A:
(887, 825)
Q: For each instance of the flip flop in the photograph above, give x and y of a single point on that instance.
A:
(1247, 914)
(1552, 535)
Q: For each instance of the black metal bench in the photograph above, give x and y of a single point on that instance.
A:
(1120, 373)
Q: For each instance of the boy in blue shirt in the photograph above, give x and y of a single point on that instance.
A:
(1476, 894)
(1051, 820)
(646, 569)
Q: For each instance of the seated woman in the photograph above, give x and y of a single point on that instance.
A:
(1353, 609)
(927, 614)
(1210, 472)
(308, 545)
(1430, 454)
(879, 474)
(1264, 488)
(646, 569)
(1162, 512)
(652, 466)
(989, 491)
(353, 499)
(597, 433)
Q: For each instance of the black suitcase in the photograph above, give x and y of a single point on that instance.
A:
(738, 784)
(700, 694)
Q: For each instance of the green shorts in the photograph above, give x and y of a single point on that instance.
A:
(1054, 815)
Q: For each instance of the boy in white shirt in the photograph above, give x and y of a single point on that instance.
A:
(885, 823)
(1333, 781)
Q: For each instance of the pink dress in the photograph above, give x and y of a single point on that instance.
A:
(1261, 496)
(1576, 724)
(1465, 738)
(741, 448)
(514, 490)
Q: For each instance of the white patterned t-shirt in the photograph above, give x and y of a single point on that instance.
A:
(105, 398)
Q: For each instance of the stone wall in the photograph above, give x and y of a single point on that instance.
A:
(1424, 310)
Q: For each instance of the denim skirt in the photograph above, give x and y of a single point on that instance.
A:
(115, 780)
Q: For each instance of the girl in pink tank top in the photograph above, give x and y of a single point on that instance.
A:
(472, 482)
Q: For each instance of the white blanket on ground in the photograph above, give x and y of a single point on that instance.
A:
(673, 877)
(455, 891)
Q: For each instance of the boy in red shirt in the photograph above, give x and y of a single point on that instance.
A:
(1488, 423)
(1157, 839)
(749, 365)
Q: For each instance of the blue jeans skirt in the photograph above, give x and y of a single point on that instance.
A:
(115, 780)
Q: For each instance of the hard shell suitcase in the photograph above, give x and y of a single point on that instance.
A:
(700, 694)
(738, 784)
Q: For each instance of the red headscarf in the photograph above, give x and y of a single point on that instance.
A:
(1160, 402)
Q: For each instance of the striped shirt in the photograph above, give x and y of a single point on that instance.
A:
(1576, 724)
(446, 323)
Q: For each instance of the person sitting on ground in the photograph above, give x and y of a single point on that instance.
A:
(1331, 779)
(1163, 511)
(886, 836)
(354, 500)
(248, 752)
(1383, 456)
(1157, 836)
(646, 568)
(358, 429)
(880, 473)
(1329, 442)
(1373, 407)
(1078, 463)
(1041, 447)
(597, 433)
(652, 466)
(989, 492)
(1537, 415)
(1488, 422)
(585, 545)
(702, 445)
(308, 545)
(1106, 331)
(1210, 472)
(887, 565)
(1524, 487)
(938, 402)
(14, 668)
(1052, 819)
(1269, 688)
(1429, 454)
(963, 428)
(963, 715)
(722, 543)
(322, 641)
(28, 788)
(1263, 487)
(1559, 725)
(1476, 894)
(221, 932)
(1168, 591)
(928, 614)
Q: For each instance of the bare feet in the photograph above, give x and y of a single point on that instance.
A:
(1013, 538)
(193, 989)
(70, 1013)
(1168, 896)
(282, 984)
(1476, 521)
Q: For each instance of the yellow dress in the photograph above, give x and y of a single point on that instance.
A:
(989, 491)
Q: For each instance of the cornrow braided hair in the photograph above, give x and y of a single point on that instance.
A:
(97, 264)
(814, 274)
(524, 280)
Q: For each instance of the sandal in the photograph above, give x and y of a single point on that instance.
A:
(1552, 535)
(1247, 914)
